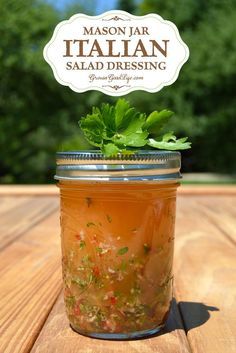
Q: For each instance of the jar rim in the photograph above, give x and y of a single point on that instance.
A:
(149, 165)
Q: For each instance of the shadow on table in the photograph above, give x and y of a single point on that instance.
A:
(185, 315)
(193, 315)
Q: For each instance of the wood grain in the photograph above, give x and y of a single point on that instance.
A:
(30, 283)
(22, 215)
(207, 190)
(29, 190)
(205, 270)
(221, 211)
(7, 203)
(57, 336)
(52, 190)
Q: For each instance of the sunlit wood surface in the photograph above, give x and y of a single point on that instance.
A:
(32, 316)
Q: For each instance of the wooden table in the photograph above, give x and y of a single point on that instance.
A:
(32, 317)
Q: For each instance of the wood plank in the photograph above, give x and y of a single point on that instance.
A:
(220, 210)
(30, 283)
(57, 336)
(20, 190)
(22, 216)
(204, 266)
(207, 190)
(205, 269)
(27, 190)
(9, 202)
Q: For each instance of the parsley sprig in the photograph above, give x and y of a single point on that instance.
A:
(120, 128)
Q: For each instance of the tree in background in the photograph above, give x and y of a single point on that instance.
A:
(129, 6)
(204, 94)
(39, 116)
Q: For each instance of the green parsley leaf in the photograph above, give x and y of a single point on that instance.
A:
(110, 149)
(107, 115)
(171, 143)
(169, 136)
(137, 139)
(93, 129)
(136, 122)
(122, 129)
(130, 116)
(156, 120)
(121, 109)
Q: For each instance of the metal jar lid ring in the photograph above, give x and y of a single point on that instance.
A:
(140, 166)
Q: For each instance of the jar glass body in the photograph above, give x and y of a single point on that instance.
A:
(117, 249)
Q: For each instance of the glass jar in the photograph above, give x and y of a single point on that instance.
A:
(117, 236)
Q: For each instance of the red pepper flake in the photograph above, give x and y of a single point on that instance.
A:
(113, 300)
(80, 235)
(96, 271)
(77, 310)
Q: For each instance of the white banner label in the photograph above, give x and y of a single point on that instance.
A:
(116, 53)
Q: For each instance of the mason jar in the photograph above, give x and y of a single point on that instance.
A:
(117, 239)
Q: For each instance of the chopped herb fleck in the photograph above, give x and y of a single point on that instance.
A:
(99, 250)
(117, 293)
(82, 244)
(86, 260)
(109, 218)
(70, 301)
(89, 224)
(146, 248)
(88, 201)
(135, 291)
(123, 266)
(123, 251)
(81, 268)
(80, 282)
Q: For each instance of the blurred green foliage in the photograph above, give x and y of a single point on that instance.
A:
(39, 116)
(203, 97)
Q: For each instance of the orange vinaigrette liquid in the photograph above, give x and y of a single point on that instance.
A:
(117, 250)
